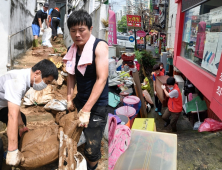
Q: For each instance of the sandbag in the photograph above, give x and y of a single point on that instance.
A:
(65, 122)
(40, 146)
(59, 30)
(60, 80)
(33, 97)
(59, 115)
(41, 153)
(63, 117)
(57, 105)
(47, 34)
(36, 136)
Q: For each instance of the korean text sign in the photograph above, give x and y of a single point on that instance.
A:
(133, 20)
(218, 84)
(112, 37)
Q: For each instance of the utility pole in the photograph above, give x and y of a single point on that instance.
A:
(135, 39)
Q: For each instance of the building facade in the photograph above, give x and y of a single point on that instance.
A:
(198, 49)
(171, 29)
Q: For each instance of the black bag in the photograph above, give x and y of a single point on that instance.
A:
(188, 87)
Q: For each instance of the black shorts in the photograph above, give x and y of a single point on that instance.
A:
(94, 132)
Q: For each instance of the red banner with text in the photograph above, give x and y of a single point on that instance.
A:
(133, 20)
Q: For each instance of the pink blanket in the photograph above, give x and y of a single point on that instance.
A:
(85, 59)
(119, 140)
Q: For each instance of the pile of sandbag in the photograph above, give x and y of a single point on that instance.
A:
(45, 97)
(44, 145)
(55, 105)
(33, 97)
(62, 77)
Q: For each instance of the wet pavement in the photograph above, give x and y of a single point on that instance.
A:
(195, 150)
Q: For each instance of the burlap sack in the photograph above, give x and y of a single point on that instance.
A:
(33, 97)
(40, 147)
(41, 153)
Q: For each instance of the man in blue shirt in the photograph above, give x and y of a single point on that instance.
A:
(54, 15)
(40, 16)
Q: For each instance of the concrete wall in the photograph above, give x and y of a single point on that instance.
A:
(15, 29)
(22, 13)
(4, 32)
(171, 24)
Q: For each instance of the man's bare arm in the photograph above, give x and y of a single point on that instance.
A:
(12, 127)
(102, 69)
(71, 81)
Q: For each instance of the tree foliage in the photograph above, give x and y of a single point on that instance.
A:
(122, 25)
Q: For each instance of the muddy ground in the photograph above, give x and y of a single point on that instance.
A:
(37, 116)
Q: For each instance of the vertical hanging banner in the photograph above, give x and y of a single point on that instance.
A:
(133, 21)
(188, 4)
(112, 36)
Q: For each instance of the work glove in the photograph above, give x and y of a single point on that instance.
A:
(70, 106)
(163, 87)
(155, 93)
(14, 157)
(84, 118)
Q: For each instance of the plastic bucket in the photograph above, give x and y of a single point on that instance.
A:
(126, 111)
(122, 95)
(132, 101)
(131, 114)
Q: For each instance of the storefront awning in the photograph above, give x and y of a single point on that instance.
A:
(188, 4)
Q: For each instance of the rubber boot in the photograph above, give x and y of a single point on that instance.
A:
(35, 43)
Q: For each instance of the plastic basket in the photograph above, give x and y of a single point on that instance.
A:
(128, 58)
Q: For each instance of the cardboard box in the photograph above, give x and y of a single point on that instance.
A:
(147, 124)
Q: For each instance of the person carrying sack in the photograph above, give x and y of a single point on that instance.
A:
(174, 104)
(54, 19)
(13, 87)
(87, 65)
(40, 16)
